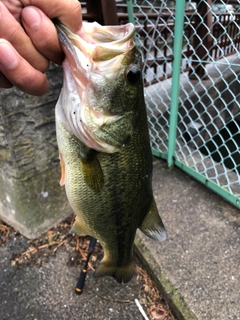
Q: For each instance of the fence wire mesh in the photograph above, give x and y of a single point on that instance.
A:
(208, 117)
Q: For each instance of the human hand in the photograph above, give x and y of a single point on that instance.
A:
(28, 40)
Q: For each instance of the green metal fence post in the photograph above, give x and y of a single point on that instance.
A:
(177, 53)
(212, 104)
(130, 11)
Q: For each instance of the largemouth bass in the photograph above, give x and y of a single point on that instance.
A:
(103, 141)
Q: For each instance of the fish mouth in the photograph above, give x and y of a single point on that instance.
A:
(94, 55)
(96, 49)
(100, 43)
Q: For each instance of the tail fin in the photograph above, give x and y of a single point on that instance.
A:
(121, 274)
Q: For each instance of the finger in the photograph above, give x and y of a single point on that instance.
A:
(15, 7)
(69, 12)
(43, 33)
(12, 31)
(19, 72)
(4, 82)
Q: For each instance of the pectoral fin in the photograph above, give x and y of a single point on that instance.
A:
(63, 175)
(152, 225)
(92, 172)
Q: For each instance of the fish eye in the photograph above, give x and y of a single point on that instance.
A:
(133, 74)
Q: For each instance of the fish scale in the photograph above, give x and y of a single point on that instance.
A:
(110, 191)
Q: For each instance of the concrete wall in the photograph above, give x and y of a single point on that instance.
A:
(30, 196)
(31, 199)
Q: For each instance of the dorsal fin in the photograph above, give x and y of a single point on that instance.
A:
(152, 225)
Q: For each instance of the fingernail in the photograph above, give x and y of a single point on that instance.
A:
(8, 56)
(31, 17)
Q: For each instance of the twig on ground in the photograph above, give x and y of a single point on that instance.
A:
(46, 246)
(114, 300)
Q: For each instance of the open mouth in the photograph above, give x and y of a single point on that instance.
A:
(101, 43)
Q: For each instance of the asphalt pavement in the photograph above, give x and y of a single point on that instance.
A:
(197, 268)
(48, 291)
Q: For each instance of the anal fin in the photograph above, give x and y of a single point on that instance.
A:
(78, 229)
(152, 225)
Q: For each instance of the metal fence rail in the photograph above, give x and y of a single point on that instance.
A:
(192, 73)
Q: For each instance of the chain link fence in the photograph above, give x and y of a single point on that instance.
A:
(191, 76)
